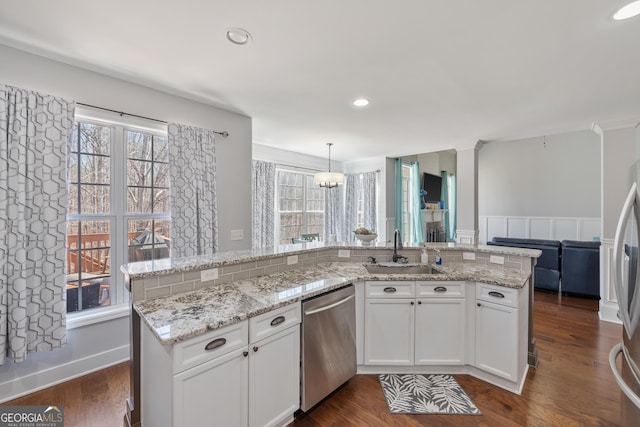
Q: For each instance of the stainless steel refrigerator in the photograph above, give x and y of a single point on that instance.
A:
(627, 284)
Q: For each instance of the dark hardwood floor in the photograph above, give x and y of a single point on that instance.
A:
(572, 385)
(94, 400)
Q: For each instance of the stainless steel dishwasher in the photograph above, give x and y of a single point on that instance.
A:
(328, 344)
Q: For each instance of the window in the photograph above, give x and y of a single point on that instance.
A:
(118, 207)
(300, 206)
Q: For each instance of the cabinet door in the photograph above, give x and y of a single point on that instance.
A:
(274, 378)
(440, 332)
(389, 327)
(213, 393)
(497, 339)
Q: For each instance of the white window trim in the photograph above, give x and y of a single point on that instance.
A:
(277, 212)
(120, 306)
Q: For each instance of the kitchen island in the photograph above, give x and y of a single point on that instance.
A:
(173, 304)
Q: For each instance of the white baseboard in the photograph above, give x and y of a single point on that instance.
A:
(18, 387)
(609, 312)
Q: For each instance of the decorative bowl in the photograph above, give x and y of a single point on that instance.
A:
(366, 239)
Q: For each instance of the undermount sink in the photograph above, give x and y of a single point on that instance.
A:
(398, 268)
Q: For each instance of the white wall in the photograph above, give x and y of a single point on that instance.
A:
(618, 155)
(435, 163)
(279, 156)
(529, 178)
(618, 145)
(97, 345)
(543, 188)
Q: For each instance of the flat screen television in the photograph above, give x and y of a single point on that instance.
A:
(432, 184)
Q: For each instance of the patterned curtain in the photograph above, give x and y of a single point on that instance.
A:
(370, 204)
(34, 133)
(334, 213)
(351, 187)
(263, 186)
(353, 190)
(414, 200)
(194, 208)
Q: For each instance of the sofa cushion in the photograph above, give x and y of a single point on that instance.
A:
(581, 268)
(540, 242)
(581, 244)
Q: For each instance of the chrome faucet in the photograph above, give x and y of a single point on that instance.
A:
(397, 243)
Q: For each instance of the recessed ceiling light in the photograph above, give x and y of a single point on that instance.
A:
(238, 36)
(628, 11)
(361, 102)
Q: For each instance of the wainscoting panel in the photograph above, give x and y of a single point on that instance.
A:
(608, 300)
(550, 228)
(493, 226)
(540, 227)
(565, 229)
(517, 227)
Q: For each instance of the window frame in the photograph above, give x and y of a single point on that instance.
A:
(118, 216)
(305, 211)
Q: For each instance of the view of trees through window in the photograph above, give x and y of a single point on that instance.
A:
(118, 179)
(147, 193)
(300, 206)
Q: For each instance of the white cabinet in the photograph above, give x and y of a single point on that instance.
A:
(245, 374)
(185, 383)
(213, 393)
(440, 323)
(274, 369)
(500, 328)
(439, 332)
(388, 333)
(428, 328)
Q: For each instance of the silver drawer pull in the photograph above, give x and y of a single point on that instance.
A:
(215, 344)
(277, 321)
(440, 289)
(496, 294)
(389, 290)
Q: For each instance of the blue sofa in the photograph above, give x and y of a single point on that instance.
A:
(575, 263)
(581, 268)
(547, 270)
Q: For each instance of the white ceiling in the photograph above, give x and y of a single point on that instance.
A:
(439, 73)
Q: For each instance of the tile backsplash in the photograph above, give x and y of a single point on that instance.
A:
(176, 283)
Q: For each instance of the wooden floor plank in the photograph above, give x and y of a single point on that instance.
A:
(572, 385)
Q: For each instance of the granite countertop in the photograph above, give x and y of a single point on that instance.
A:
(183, 316)
(144, 269)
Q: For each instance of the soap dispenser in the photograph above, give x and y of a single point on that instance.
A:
(424, 258)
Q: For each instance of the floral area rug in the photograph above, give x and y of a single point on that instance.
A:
(425, 394)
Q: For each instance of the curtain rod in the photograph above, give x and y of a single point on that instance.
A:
(224, 134)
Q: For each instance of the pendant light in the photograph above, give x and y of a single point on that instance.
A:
(328, 179)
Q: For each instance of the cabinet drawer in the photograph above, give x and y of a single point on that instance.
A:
(274, 321)
(497, 294)
(202, 348)
(440, 289)
(390, 289)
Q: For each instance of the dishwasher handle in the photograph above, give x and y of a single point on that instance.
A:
(329, 307)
